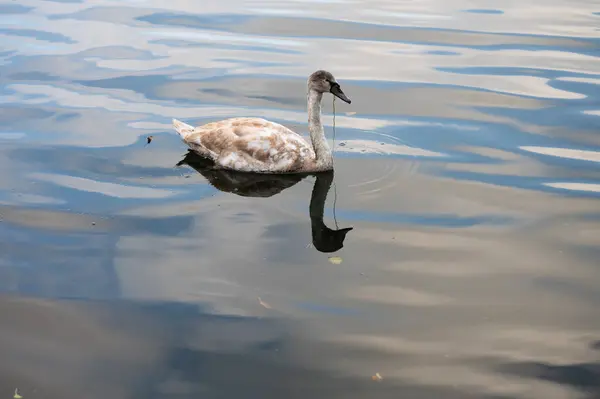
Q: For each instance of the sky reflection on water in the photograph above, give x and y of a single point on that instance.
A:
(468, 166)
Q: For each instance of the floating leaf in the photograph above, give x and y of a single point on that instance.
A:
(377, 377)
(336, 260)
(264, 304)
(17, 396)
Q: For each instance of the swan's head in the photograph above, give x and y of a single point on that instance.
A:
(324, 82)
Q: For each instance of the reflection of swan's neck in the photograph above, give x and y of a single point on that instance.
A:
(315, 127)
(318, 199)
(324, 239)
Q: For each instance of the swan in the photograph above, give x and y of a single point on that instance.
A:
(261, 146)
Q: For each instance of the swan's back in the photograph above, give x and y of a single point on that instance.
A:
(249, 144)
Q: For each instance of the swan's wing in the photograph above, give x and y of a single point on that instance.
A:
(253, 145)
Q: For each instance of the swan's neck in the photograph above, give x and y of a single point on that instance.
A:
(317, 134)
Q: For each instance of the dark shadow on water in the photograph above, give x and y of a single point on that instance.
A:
(584, 377)
(324, 239)
(124, 349)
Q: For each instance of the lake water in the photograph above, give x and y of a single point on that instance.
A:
(468, 165)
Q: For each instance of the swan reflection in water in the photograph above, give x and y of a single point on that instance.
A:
(246, 184)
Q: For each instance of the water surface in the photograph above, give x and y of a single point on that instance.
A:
(468, 165)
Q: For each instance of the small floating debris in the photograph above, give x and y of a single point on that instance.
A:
(17, 396)
(350, 113)
(377, 377)
(264, 304)
(336, 260)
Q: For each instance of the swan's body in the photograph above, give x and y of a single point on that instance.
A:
(250, 145)
(260, 146)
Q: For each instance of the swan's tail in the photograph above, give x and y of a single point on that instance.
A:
(183, 129)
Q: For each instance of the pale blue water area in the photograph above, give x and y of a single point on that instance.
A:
(468, 165)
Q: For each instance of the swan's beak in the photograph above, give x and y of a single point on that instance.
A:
(336, 90)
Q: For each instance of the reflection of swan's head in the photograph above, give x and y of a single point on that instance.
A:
(328, 240)
(324, 82)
